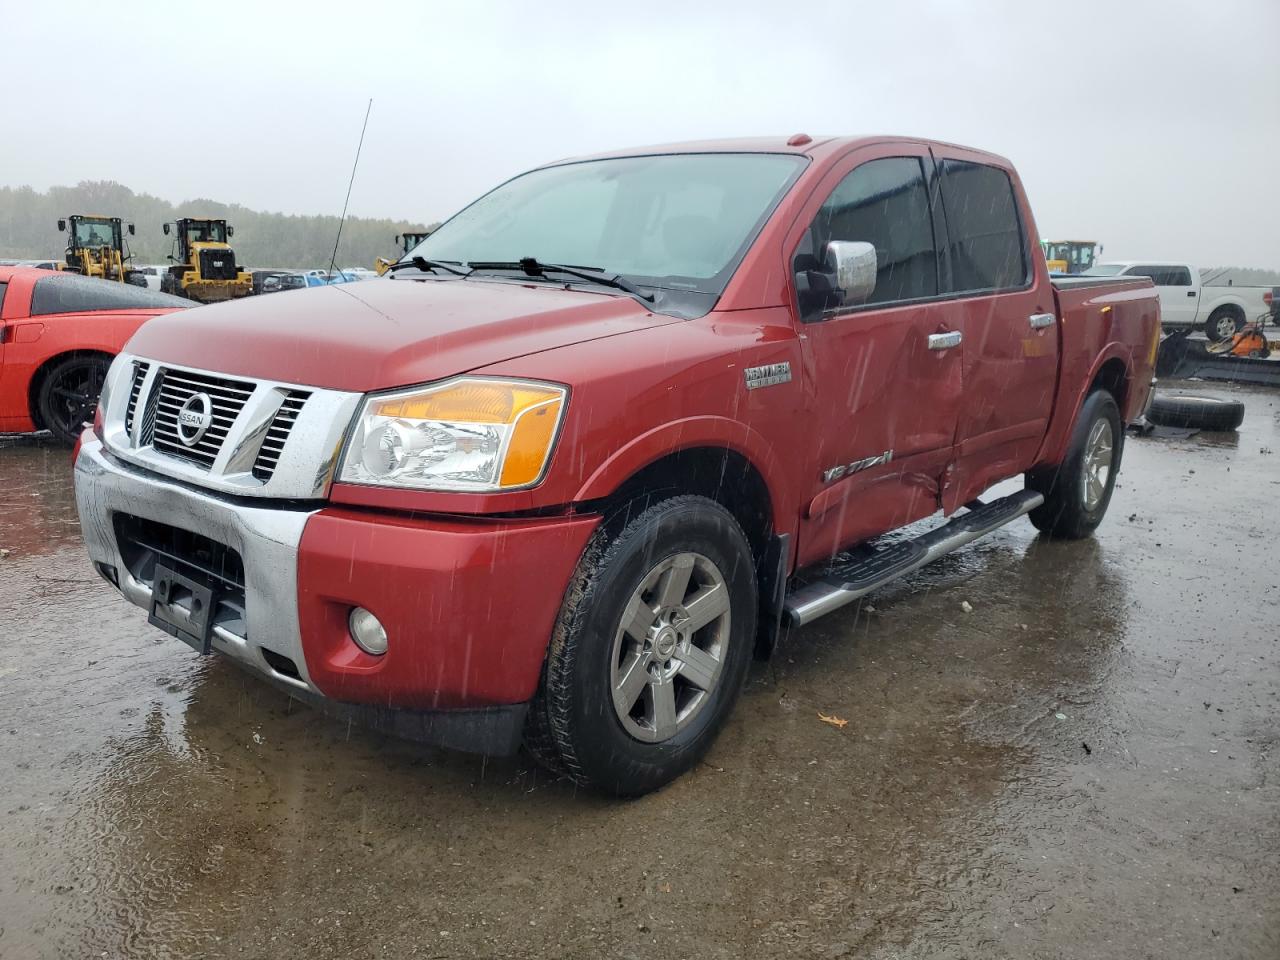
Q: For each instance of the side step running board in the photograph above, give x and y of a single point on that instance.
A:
(857, 579)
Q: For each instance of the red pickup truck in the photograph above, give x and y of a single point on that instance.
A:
(606, 433)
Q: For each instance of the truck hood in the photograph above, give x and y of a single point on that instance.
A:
(386, 333)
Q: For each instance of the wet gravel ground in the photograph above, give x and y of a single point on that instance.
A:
(1085, 765)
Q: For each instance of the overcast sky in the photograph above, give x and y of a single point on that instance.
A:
(1153, 127)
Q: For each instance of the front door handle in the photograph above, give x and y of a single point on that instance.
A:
(944, 341)
(1191, 293)
(1039, 321)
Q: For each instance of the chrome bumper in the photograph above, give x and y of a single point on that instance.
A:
(267, 540)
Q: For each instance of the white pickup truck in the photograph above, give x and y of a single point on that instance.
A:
(1184, 302)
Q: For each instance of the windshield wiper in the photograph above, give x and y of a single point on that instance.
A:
(427, 266)
(533, 267)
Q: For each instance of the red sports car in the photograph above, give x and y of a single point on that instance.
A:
(58, 333)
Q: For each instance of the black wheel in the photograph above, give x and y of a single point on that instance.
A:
(1194, 410)
(1224, 323)
(1078, 491)
(650, 650)
(68, 395)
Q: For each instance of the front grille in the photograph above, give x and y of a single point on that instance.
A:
(172, 390)
(140, 369)
(277, 434)
(217, 265)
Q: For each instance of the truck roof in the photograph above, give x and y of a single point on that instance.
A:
(801, 144)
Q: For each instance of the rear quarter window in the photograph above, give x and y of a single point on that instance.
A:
(70, 293)
(987, 246)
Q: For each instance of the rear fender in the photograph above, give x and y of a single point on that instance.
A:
(1070, 399)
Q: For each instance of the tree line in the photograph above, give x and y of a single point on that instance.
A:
(29, 231)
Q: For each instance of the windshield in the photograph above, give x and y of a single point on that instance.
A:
(206, 232)
(678, 221)
(1106, 270)
(94, 233)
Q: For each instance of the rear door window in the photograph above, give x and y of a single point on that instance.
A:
(885, 203)
(3, 286)
(1163, 275)
(987, 247)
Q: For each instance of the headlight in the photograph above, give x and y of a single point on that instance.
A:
(468, 434)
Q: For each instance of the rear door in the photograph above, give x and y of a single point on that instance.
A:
(1179, 295)
(1006, 309)
(885, 374)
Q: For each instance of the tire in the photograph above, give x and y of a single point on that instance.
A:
(68, 395)
(1193, 410)
(1076, 494)
(1224, 323)
(639, 745)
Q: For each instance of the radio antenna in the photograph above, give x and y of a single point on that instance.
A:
(359, 147)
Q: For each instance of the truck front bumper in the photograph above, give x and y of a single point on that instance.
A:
(468, 606)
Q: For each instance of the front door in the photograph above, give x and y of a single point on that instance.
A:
(886, 374)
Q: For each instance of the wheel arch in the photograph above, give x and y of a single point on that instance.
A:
(1112, 376)
(1111, 371)
(42, 372)
(717, 472)
(1229, 301)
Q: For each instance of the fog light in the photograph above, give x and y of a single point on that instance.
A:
(367, 632)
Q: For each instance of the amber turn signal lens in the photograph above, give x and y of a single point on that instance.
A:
(531, 443)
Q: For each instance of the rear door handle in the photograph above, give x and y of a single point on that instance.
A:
(944, 341)
(1039, 321)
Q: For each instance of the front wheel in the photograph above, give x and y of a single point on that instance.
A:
(68, 395)
(650, 650)
(1078, 491)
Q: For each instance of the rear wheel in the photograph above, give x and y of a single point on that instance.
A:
(650, 650)
(1078, 491)
(68, 395)
(1224, 323)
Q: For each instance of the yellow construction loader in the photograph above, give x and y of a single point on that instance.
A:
(96, 247)
(1070, 256)
(406, 241)
(204, 265)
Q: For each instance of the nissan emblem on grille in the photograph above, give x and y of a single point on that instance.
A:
(194, 419)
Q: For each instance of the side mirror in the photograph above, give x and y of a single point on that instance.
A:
(231, 231)
(165, 228)
(132, 232)
(62, 226)
(397, 239)
(853, 265)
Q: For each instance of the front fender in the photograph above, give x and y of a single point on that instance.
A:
(687, 434)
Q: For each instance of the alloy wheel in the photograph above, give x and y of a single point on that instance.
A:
(669, 650)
